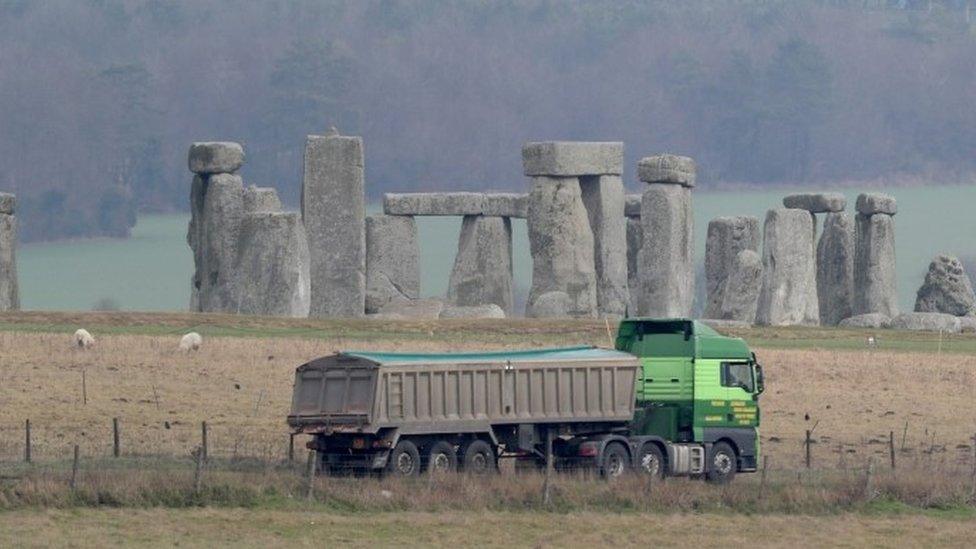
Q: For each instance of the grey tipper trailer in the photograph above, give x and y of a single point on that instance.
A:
(405, 413)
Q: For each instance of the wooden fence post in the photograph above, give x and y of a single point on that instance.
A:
(891, 447)
(546, 492)
(762, 478)
(291, 447)
(74, 467)
(867, 478)
(116, 445)
(203, 441)
(310, 474)
(806, 443)
(197, 470)
(27, 441)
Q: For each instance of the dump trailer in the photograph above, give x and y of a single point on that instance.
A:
(673, 398)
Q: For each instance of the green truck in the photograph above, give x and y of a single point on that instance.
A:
(673, 398)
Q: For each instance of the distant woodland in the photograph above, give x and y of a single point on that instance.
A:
(100, 99)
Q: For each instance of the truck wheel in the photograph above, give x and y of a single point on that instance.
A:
(721, 464)
(404, 460)
(441, 458)
(478, 458)
(614, 461)
(650, 461)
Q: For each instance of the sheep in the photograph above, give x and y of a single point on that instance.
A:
(83, 339)
(191, 342)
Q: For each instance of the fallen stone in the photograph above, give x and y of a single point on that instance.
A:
(221, 216)
(478, 311)
(816, 202)
(788, 270)
(9, 292)
(875, 283)
(967, 324)
(8, 203)
(666, 258)
(632, 205)
(506, 205)
(426, 309)
(392, 260)
(726, 237)
(207, 158)
(740, 292)
(462, 203)
(667, 168)
(482, 272)
(835, 269)
(946, 289)
(926, 322)
(334, 211)
(603, 197)
(561, 244)
(272, 264)
(722, 324)
(573, 158)
(635, 240)
(876, 203)
(261, 199)
(869, 320)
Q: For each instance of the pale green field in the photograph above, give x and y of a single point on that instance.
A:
(151, 271)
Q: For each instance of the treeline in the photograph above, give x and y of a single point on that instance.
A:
(99, 99)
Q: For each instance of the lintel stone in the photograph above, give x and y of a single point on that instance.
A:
(816, 202)
(573, 158)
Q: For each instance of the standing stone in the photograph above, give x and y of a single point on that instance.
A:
(9, 295)
(392, 260)
(666, 271)
(835, 269)
(222, 214)
(947, 289)
(875, 286)
(603, 197)
(272, 265)
(635, 240)
(333, 210)
(740, 292)
(261, 199)
(482, 272)
(561, 243)
(727, 236)
(788, 269)
(195, 239)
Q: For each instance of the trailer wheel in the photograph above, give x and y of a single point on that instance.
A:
(650, 461)
(614, 461)
(441, 458)
(721, 464)
(478, 458)
(404, 460)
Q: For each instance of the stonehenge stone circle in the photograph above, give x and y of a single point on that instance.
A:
(928, 322)
(573, 158)
(788, 270)
(334, 211)
(740, 292)
(667, 168)
(726, 237)
(482, 273)
(207, 158)
(816, 202)
(273, 263)
(9, 294)
(835, 268)
(946, 289)
(875, 286)
(868, 320)
(392, 260)
(261, 199)
(603, 197)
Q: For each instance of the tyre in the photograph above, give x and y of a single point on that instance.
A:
(650, 461)
(613, 463)
(722, 464)
(441, 458)
(404, 460)
(478, 458)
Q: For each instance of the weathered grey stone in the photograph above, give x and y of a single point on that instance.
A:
(477, 311)
(816, 202)
(195, 239)
(272, 265)
(635, 239)
(946, 289)
(788, 270)
(482, 272)
(603, 197)
(740, 292)
(333, 210)
(427, 309)
(927, 322)
(726, 237)
(462, 203)
(632, 205)
(875, 286)
(967, 324)
(392, 260)
(667, 168)
(573, 158)
(561, 243)
(835, 269)
(261, 199)
(9, 293)
(721, 325)
(8, 203)
(869, 320)
(876, 203)
(207, 158)
(666, 269)
(506, 205)
(554, 304)
(221, 215)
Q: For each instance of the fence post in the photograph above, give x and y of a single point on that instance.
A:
(762, 478)
(116, 446)
(546, 495)
(310, 474)
(973, 495)
(867, 478)
(197, 470)
(891, 447)
(74, 467)
(291, 447)
(203, 441)
(27, 441)
(806, 443)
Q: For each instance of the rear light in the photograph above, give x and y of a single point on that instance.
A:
(589, 449)
(358, 443)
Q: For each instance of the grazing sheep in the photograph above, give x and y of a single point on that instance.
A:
(83, 339)
(191, 342)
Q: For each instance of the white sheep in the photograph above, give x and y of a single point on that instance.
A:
(191, 342)
(83, 339)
